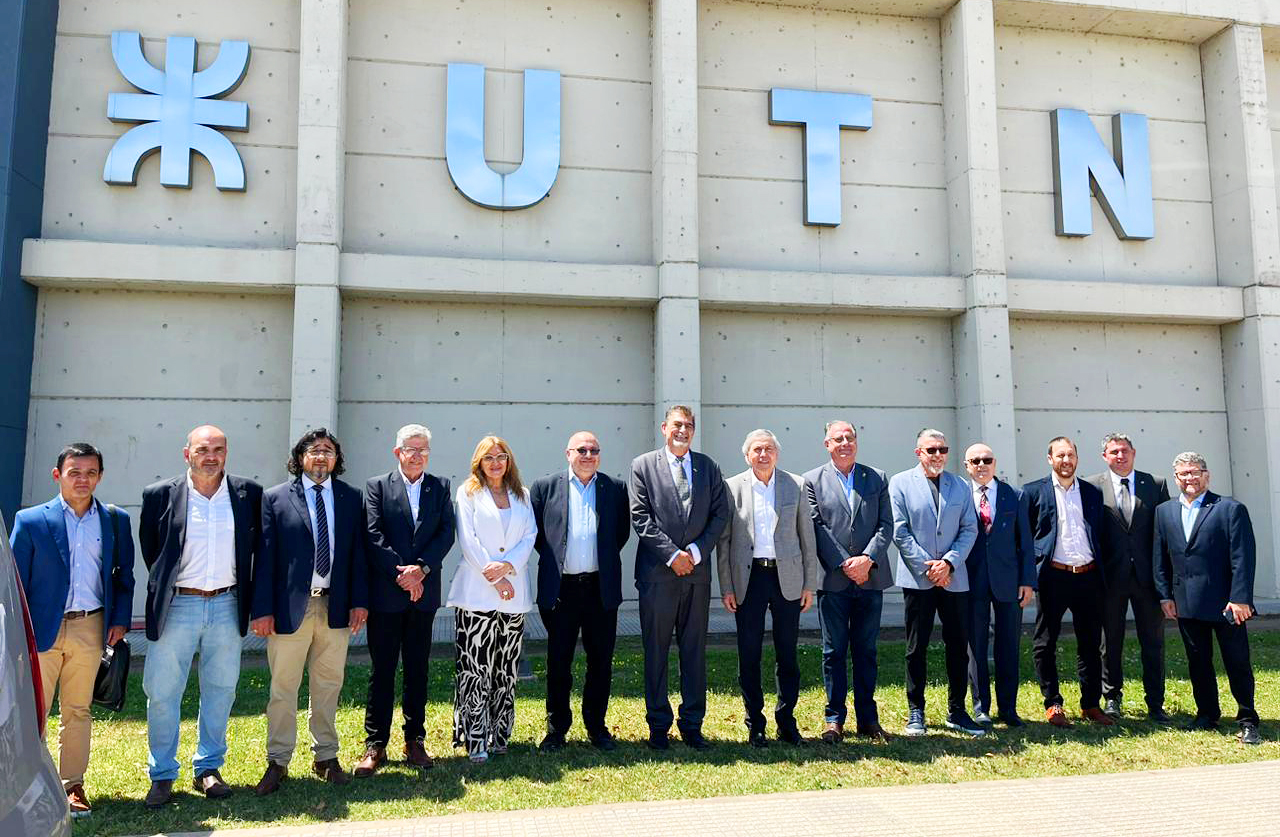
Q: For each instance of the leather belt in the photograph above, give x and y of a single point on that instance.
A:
(80, 614)
(1074, 569)
(317, 592)
(204, 594)
(579, 576)
(767, 563)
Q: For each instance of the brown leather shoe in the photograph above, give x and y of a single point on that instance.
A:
(209, 782)
(270, 781)
(415, 753)
(832, 733)
(77, 801)
(331, 772)
(373, 758)
(1057, 716)
(875, 733)
(158, 796)
(1099, 717)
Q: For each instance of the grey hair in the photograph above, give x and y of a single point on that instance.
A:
(760, 434)
(930, 433)
(1117, 437)
(411, 430)
(826, 429)
(1190, 457)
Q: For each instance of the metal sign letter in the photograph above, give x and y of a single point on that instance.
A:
(822, 115)
(179, 109)
(464, 139)
(1082, 164)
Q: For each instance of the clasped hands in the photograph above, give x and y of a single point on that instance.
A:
(494, 572)
(683, 564)
(409, 579)
(939, 572)
(857, 568)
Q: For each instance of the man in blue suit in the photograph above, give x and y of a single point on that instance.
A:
(75, 560)
(1203, 558)
(1002, 577)
(934, 529)
(310, 593)
(1070, 578)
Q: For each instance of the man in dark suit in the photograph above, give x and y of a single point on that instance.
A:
(678, 509)
(583, 522)
(1130, 498)
(1002, 577)
(75, 561)
(853, 526)
(410, 530)
(198, 532)
(1203, 556)
(310, 593)
(1068, 557)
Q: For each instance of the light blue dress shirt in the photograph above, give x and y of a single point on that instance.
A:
(310, 492)
(84, 541)
(1190, 511)
(580, 556)
(847, 482)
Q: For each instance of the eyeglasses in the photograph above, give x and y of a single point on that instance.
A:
(490, 458)
(841, 440)
(321, 453)
(1186, 475)
(982, 460)
(587, 451)
(415, 451)
(936, 451)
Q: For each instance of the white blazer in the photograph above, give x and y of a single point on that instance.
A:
(483, 538)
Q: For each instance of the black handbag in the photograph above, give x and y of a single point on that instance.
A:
(113, 671)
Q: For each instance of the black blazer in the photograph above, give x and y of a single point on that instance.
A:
(1212, 567)
(282, 575)
(1042, 513)
(162, 534)
(1130, 545)
(393, 540)
(1004, 560)
(550, 499)
(661, 523)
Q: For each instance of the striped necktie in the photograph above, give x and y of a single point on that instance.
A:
(322, 533)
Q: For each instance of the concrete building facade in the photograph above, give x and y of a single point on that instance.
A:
(352, 285)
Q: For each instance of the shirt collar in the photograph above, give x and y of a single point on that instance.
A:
(1057, 484)
(191, 488)
(991, 486)
(1115, 479)
(1194, 504)
(671, 457)
(846, 479)
(573, 478)
(93, 507)
(407, 481)
(307, 483)
(766, 486)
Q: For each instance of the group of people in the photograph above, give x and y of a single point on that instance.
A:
(311, 561)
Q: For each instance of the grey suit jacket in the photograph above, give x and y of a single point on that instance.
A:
(842, 532)
(793, 539)
(661, 523)
(924, 532)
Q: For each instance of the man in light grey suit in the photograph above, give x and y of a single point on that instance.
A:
(934, 529)
(767, 560)
(853, 525)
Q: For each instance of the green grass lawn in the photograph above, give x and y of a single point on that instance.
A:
(579, 775)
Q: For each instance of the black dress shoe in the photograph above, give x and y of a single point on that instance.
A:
(790, 735)
(552, 742)
(1158, 715)
(658, 740)
(158, 796)
(757, 740)
(604, 741)
(210, 783)
(1249, 733)
(1011, 720)
(1113, 707)
(1199, 724)
(694, 740)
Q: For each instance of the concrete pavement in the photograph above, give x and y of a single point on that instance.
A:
(1223, 800)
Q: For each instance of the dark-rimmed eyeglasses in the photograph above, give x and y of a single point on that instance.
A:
(935, 451)
(587, 451)
(982, 460)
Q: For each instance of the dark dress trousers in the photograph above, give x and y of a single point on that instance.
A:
(1000, 562)
(398, 628)
(849, 614)
(1127, 564)
(162, 535)
(282, 573)
(1060, 591)
(1201, 574)
(670, 603)
(580, 603)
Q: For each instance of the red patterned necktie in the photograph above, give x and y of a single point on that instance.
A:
(984, 510)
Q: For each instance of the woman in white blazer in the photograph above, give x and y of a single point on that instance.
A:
(490, 596)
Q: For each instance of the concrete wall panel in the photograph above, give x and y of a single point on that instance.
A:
(269, 24)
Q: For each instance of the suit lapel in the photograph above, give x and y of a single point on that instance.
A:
(300, 504)
(1210, 500)
(744, 495)
(105, 519)
(859, 475)
(696, 485)
(238, 513)
(178, 512)
(53, 518)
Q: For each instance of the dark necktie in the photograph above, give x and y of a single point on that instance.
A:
(1126, 501)
(984, 510)
(322, 533)
(682, 483)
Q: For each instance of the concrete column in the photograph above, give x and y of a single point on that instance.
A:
(317, 311)
(677, 351)
(1242, 177)
(983, 364)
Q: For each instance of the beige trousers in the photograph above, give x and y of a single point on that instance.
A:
(72, 665)
(323, 652)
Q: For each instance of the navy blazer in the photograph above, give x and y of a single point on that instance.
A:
(43, 555)
(162, 534)
(1005, 559)
(394, 540)
(1201, 574)
(282, 575)
(550, 499)
(661, 523)
(1042, 513)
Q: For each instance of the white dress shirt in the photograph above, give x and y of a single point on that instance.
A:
(414, 490)
(317, 580)
(84, 542)
(1115, 483)
(765, 515)
(208, 560)
(584, 522)
(1073, 546)
(688, 475)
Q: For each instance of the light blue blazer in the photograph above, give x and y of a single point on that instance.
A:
(923, 532)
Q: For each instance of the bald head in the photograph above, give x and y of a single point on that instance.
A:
(980, 462)
(206, 455)
(583, 453)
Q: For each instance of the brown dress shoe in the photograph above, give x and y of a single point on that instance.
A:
(832, 733)
(209, 782)
(77, 801)
(270, 781)
(373, 758)
(1099, 717)
(331, 772)
(874, 732)
(415, 753)
(1057, 716)
(158, 796)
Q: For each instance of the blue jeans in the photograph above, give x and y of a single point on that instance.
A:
(850, 621)
(208, 626)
